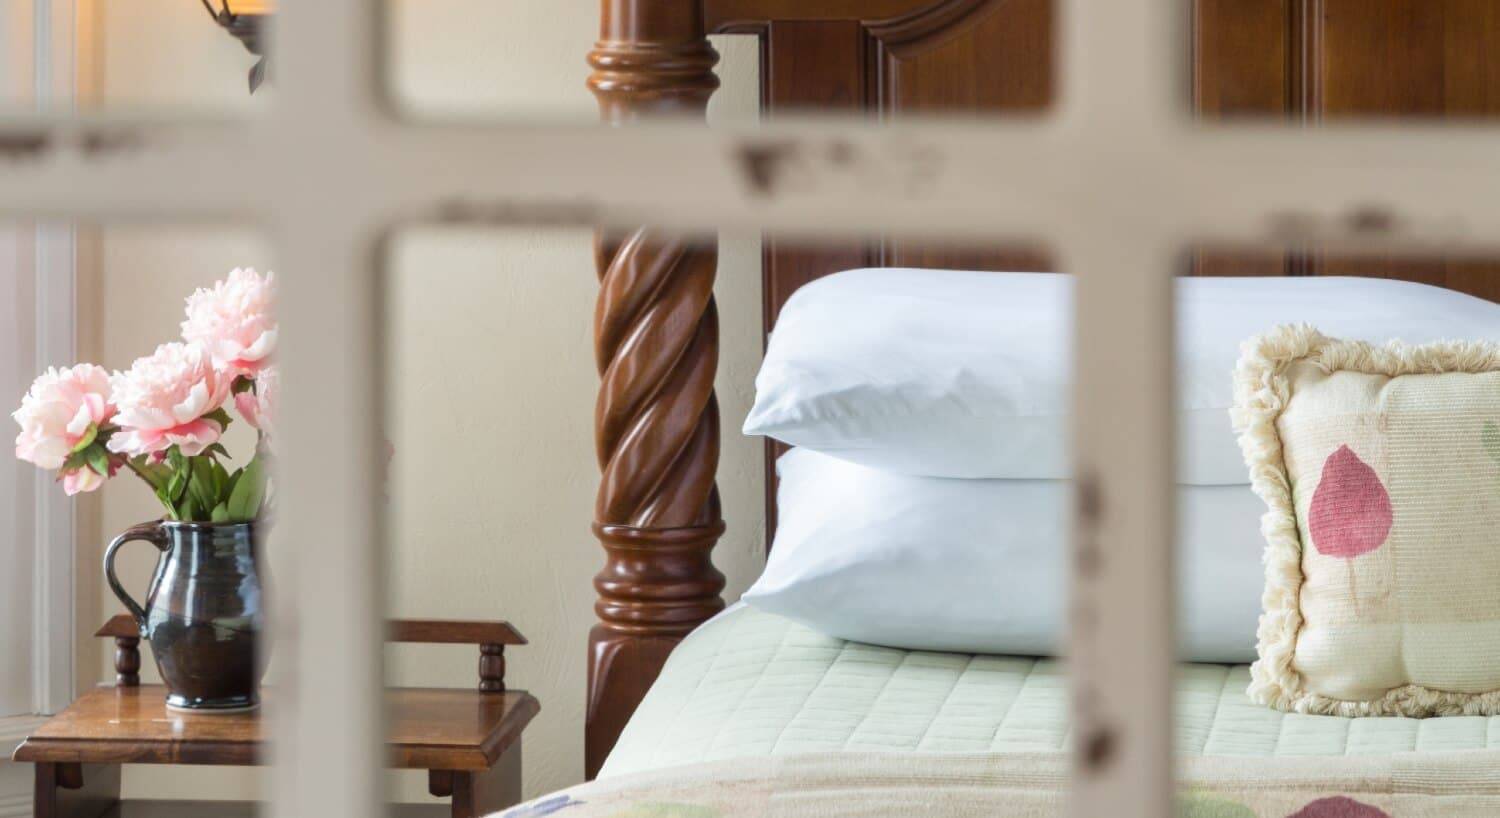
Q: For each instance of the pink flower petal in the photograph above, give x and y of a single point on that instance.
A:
(258, 407)
(81, 421)
(81, 480)
(1351, 512)
(192, 406)
(194, 437)
(235, 320)
(261, 347)
(1338, 806)
(163, 397)
(57, 412)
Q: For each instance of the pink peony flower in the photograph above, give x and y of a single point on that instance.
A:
(259, 407)
(235, 321)
(63, 409)
(86, 479)
(164, 398)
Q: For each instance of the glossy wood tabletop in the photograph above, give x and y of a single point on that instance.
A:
(453, 729)
(428, 728)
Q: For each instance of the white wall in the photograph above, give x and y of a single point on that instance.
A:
(493, 379)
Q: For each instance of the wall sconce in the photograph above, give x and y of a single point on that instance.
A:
(246, 20)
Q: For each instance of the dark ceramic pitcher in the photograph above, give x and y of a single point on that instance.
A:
(203, 611)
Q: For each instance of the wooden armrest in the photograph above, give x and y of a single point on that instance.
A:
(491, 637)
(127, 649)
(453, 632)
(425, 631)
(120, 626)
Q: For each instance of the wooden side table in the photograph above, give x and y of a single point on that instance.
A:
(467, 740)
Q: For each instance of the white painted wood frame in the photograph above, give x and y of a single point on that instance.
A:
(37, 274)
(1117, 179)
(38, 585)
(37, 329)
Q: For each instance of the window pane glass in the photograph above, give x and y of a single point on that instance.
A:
(891, 577)
(468, 58)
(117, 392)
(156, 56)
(1309, 62)
(1262, 565)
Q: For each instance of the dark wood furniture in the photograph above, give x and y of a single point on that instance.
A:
(467, 740)
(656, 327)
(491, 637)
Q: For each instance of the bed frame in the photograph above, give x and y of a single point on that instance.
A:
(657, 420)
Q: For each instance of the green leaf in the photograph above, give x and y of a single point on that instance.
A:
(201, 486)
(234, 480)
(202, 469)
(176, 485)
(75, 461)
(220, 417)
(220, 513)
(88, 438)
(99, 461)
(221, 481)
(161, 494)
(249, 490)
(1490, 436)
(242, 384)
(184, 507)
(218, 450)
(157, 474)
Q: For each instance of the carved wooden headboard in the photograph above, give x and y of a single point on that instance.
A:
(657, 328)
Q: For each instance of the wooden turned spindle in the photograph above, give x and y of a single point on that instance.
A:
(491, 668)
(127, 661)
(652, 58)
(656, 337)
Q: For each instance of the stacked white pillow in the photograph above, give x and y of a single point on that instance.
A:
(921, 376)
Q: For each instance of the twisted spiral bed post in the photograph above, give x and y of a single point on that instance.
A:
(657, 421)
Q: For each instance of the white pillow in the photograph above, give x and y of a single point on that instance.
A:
(965, 374)
(979, 566)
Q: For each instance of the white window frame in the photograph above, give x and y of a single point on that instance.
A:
(54, 519)
(38, 270)
(40, 523)
(1117, 179)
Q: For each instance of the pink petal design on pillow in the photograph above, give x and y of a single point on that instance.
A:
(1338, 807)
(1351, 511)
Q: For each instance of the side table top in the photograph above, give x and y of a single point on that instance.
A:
(428, 728)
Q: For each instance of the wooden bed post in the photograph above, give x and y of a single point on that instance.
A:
(657, 421)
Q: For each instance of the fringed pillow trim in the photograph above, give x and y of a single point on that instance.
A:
(1262, 390)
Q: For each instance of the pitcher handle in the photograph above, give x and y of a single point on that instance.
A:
(150, 532)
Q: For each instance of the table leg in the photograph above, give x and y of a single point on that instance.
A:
(477, 794)
(68, 790)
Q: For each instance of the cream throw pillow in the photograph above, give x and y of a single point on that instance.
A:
(1381, 468)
